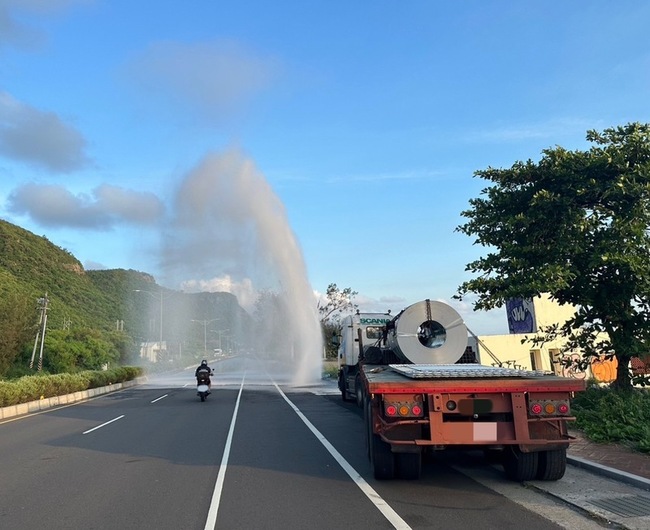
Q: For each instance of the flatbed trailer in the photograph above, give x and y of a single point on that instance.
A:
(519, 414)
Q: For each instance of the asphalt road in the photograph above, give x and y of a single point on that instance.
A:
(253, 456)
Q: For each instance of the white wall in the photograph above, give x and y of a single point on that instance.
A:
(528, 356)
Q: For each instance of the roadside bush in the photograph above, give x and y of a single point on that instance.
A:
(29, 388)
(97, 379)
(330, 370)
(8, 393)
(34, 387)
(610, 416)
(59, 384)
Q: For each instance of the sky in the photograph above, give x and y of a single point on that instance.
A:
(362, 123)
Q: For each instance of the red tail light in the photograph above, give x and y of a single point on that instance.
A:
(549, 407)
(404, 407)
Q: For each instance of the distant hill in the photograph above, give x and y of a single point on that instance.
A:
(31, 266)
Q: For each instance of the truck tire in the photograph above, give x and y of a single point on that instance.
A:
(366, 422)
(409, 465)
(343, 387)
(358, 390)
(519, 466)
(382, 459)
(552, 464)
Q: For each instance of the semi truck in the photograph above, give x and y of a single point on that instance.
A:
(421, 392)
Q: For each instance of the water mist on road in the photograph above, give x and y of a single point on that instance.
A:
(230, 233)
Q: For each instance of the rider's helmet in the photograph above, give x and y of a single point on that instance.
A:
(204, 362)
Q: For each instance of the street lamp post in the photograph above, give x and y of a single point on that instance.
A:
(220, 331)
(205, 332)
(150, 293)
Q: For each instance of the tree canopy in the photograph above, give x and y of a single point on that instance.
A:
(336, 303)
(575, 225)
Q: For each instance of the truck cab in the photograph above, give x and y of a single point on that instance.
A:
(358, 331)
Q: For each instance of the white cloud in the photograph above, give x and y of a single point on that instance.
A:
(39, 137)
(367, 304)
(493, 322)
(128, 205)
(15, 33)
(212, 79)
(55, 206)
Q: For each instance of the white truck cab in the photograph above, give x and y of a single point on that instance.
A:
(357, 332)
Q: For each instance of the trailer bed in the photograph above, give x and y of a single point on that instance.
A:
(430, 378)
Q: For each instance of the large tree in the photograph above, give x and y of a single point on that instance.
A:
(336, 302)
(18, 325)
(330, 309)
(575, 225)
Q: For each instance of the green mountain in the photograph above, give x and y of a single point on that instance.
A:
(117, 300)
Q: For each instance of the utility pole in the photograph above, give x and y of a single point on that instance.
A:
(42, 302)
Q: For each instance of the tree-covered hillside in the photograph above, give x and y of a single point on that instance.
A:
(31, 267)
(99, 316)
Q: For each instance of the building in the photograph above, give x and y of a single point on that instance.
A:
(525, 319)
(151, 350)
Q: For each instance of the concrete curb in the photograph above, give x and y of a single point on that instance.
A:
(609, 472)
(42, 404)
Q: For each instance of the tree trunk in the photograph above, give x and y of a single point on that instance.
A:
(623, 380)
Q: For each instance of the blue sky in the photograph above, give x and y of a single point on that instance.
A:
(364, 121)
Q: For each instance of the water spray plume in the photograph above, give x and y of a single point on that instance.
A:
(230, 233)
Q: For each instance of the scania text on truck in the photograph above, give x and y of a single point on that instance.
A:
(356, 330)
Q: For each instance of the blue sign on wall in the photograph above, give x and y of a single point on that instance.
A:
(521, 316)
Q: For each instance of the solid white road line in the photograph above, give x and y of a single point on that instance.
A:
(372, 495)
(103, 424)
(211, 522)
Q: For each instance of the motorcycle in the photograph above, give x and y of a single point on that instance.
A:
(203, 385)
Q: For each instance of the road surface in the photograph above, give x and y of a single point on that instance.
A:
(255, 455)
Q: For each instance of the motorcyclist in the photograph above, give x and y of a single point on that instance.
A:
(204, 370)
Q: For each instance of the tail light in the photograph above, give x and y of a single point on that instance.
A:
(404, 409)
(391, 410)
(549, 407)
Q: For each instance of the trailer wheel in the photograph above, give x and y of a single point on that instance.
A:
(342, 387)
(409, 465)
(382, 459)
(552, 464)
(358, 390)
(519, 466)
